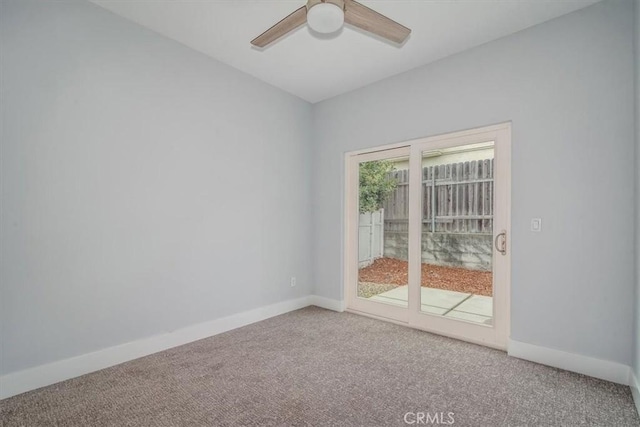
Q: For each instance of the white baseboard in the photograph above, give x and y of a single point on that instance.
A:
(634, 383)
(597, 368)
(328, 303)
(43, 375)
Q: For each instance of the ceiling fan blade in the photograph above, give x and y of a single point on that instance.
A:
(369, 20)
(288, 24)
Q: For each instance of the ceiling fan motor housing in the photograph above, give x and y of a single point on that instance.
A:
(311, 3)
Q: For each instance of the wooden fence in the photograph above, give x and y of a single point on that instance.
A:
(370, 237)
(456, 198)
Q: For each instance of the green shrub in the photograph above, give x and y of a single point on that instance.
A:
(375, 184)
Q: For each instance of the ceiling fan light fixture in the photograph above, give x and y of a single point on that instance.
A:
(325, 18)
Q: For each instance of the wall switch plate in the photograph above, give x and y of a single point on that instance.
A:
(536, 225)
(293, 282)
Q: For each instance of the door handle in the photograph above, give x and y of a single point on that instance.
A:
(503, 247)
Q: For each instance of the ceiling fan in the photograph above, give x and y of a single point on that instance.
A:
(328, 16)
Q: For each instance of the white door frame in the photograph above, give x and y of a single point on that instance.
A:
(493, 336)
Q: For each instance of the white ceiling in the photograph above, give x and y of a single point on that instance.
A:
(315, 69)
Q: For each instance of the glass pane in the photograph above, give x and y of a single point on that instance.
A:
(457, 230)
(383, 231)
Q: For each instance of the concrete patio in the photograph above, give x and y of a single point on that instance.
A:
(457, 305)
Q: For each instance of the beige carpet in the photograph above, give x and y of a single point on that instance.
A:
(320, 368)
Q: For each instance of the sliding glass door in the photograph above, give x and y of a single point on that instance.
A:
(427, 240)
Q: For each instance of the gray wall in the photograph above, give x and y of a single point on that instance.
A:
(124, 210)
(567, 86)
(637, 314)
(123, 213)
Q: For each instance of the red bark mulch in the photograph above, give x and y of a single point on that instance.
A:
(395, 271)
